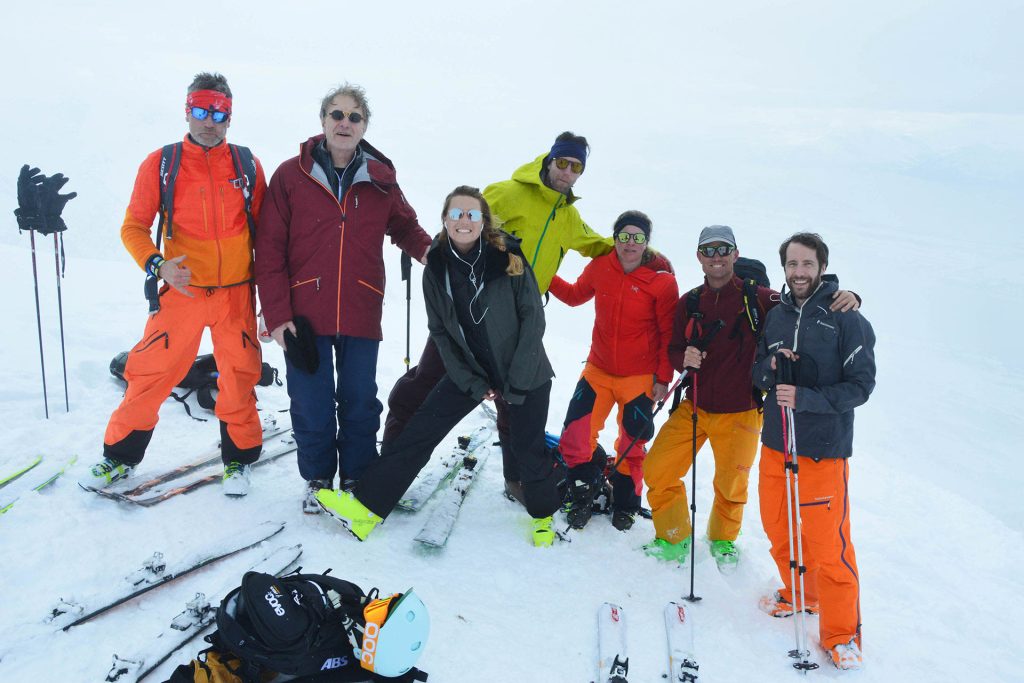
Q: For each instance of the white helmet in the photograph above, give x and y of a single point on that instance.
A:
(395, 634)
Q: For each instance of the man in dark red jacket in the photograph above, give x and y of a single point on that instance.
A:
(319, 260)
(728, 414)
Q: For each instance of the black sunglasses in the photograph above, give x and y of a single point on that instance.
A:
(353, 116)
(721, 250)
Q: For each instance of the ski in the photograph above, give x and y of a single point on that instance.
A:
(432, 479)
(442, 518)
(19, 470)
(135, 486)
(682, 657)
(199, 613)
(612, 660)
(273, 449)
(156, 572)
(37, 480)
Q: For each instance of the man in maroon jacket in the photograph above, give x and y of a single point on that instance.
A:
(728, 414)
(320, 263)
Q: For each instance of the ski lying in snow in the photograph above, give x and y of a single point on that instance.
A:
(199, 613)
(612, 661)
(152, 493)
(19, 470)
(432, 478)
(36, 480)
(155, 572)
(682, 658)
(442, 518)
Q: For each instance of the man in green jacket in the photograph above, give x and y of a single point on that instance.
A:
(536, 205)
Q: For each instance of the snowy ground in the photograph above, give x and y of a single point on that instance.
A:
(895, 132)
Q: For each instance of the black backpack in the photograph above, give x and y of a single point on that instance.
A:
(170, 163)
(301, 625)
(200, 380)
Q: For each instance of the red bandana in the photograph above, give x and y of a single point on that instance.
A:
(208, 99)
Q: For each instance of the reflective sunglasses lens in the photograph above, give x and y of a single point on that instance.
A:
(562, 164)
(623, 237)
(639, 238)
(475, 215)
(199, 114)
(219, 116)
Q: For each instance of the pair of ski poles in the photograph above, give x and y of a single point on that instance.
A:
(39, 320)
(785, 375)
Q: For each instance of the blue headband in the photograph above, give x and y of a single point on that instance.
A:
(568, 148)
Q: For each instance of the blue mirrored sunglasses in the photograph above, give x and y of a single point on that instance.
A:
(475, 215)
(200, 114)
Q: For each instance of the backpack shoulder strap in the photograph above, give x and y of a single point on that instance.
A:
(752, 307)
(170, 162)
(245, 167)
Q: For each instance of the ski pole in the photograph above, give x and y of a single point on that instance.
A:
(407, 276)
(701, 342)
(661, 404)
(39, 322)
(60, 316)
(794, 521)
(693, 495)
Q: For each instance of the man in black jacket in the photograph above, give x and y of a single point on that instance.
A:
(817, 366)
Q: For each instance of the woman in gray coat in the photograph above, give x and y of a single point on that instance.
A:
(486, 317)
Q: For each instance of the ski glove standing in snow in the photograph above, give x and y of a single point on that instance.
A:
(40, 203)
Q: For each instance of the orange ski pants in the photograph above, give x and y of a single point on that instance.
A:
(168, 349)
(734, 438)
(831, 580)
(632, 395)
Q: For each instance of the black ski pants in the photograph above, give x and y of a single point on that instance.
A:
(401, 458)
(412, 389)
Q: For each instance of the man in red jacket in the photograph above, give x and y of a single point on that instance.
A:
(320, 263)
(628, 366)
(207, 274)
(728, 413)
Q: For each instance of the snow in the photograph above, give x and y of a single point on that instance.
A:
(895, 130)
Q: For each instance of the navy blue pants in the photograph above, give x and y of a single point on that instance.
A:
(336, 415)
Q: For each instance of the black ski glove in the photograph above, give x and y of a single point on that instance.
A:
(51, 204)
(30, 182)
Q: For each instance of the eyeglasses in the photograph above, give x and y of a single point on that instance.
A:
(562, 164)
(200, 114)
(625, 237)
(721, 250)
(353, 116)
(475, 215)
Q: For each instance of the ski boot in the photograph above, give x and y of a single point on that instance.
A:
(237, 479)
(347, 509)
(661, 549)
(105, 473)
